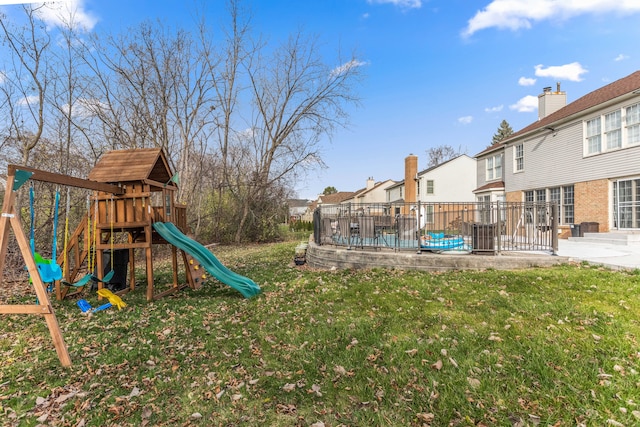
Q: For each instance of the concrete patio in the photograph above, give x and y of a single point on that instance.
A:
(607, 253)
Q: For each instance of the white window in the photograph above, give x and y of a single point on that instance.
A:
(632, 120)
(594, 136)
(562, 197)
(519, 157)
(494, 167)
(430, 188)
(613, 129)
(484, 208)
(567, 204)
(428, 214)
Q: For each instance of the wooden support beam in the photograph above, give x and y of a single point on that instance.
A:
(24, 309)
(165, 185)
(10, 220)
(56, 178)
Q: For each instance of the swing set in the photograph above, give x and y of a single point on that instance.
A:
(132, 209)
(40, 270)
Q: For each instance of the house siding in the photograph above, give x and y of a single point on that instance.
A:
(559, 160)
(554, 155)
(543, 169)
(453, 181)
(481, 169)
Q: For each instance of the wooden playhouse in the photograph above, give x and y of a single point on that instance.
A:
(125, 221)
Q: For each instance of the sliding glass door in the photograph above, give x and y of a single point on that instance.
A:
(626, 204)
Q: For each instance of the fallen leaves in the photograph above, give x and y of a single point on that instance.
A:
(341, 371)
(494, 337)
(473, 382)
(315, 389)
(425, 417)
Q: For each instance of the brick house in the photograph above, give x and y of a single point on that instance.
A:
(584, 155)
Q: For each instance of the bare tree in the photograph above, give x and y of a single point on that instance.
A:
(156, 90)
(298, 99)
(25, 88)
(239, 119)
(442, 153)
(68, 97)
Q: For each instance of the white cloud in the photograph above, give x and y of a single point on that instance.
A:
(519, 14)
(465, 120)
(621, 57)
(526, 81)
(68, 13)
(407, 4)
(85, 107)
(526, 105)
(29, 100)
(494, 109)
(571, 72)
(341, 69)
(3, 77)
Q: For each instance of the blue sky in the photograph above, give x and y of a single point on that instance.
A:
(437, 71)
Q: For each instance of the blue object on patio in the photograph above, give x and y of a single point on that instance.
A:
(442, 244)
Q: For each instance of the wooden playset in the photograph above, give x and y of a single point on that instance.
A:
(132, 208)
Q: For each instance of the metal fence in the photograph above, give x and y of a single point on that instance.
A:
(491, 227)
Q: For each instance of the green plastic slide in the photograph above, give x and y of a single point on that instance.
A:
(247, 287)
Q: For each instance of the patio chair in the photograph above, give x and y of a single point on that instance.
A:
(367, 231)
(383, 222)
(346, 233)
(407, 229)
(329, 231)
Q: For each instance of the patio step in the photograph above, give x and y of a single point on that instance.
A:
(609, 238)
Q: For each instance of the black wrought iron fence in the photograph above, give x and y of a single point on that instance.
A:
(466, 227)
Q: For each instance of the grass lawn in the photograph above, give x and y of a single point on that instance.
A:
(547, 347)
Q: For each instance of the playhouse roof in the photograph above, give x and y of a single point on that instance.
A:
(132, 165)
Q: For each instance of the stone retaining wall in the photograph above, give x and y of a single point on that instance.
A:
(330, 257)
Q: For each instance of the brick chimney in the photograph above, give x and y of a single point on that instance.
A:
(410, 174)
(549, 102)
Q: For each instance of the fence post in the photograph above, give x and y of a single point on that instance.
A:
(498, 232)
(554, 229)
(349, 225)
(418, 230)
(317, 226)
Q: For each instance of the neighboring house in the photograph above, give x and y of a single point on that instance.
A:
(335, 198)
(585, 156)
(297, 208)
(375, 192)
(331, 199)
(395, 192)
(451, 181)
